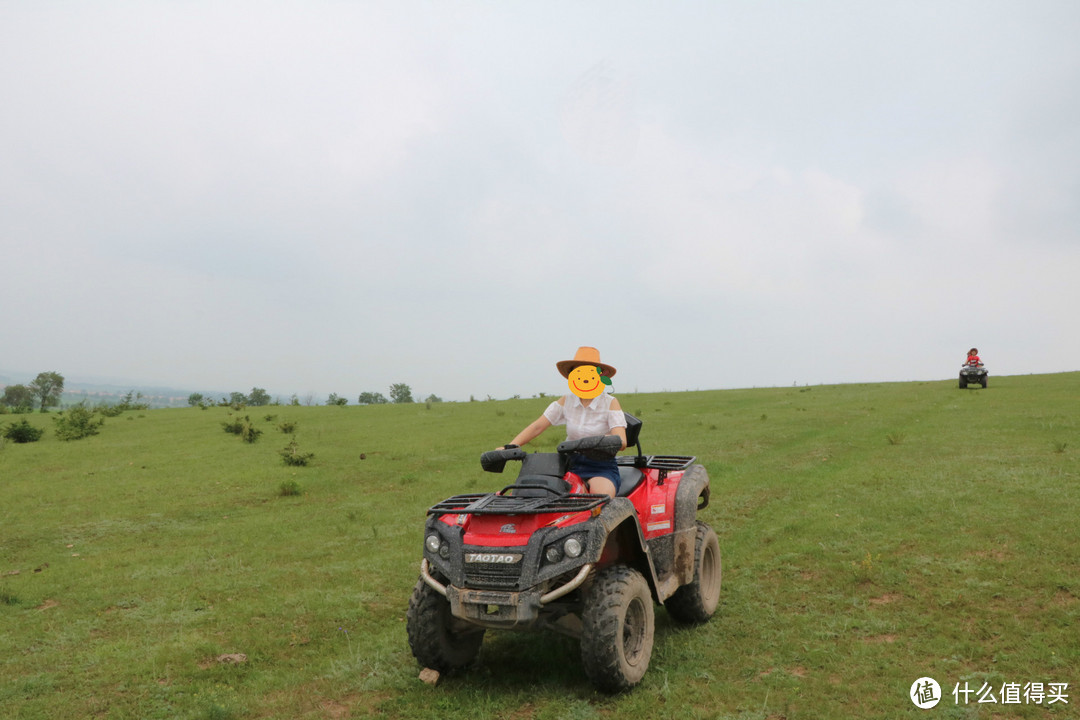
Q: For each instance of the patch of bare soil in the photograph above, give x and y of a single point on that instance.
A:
(227, 659)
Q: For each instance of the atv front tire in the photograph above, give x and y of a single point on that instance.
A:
(617, 629)
(439, 640)
(696, 601)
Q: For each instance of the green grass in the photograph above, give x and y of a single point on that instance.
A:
(871, 535)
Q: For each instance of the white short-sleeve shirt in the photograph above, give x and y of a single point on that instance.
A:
(596, 418)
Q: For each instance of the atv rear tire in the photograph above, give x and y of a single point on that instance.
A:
(439, 640)
(963, 383)
(617, 629)
(983, 382)
(696, 601)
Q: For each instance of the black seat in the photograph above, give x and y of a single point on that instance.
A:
(629, 479)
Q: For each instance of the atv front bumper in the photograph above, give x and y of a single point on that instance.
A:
(499, 609)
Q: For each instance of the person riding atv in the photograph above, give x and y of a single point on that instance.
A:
(557, 551)
(589, 410)
(973, 372)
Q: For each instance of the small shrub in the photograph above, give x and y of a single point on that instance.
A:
(287, 427)
(289, 488)
(865, 570)
(7, 598)
(77, 422)
(250, 433)
(895, 438)
(242, 427)
(23, 432)
(292, 456)
(128, 402)
(234, 426)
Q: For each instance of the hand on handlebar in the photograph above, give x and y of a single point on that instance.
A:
(495, 460)
(598, 447)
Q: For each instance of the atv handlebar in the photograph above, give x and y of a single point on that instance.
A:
(597, 447)
(495, 460)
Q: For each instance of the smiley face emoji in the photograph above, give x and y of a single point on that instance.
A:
(587, 382)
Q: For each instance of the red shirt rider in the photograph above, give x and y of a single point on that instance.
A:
(973, 358)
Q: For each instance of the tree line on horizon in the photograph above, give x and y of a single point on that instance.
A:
(45, 391)
(258, 397)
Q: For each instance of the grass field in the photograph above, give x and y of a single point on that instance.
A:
(871, 535)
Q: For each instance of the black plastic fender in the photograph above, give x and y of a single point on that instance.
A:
(693, 487)
(692, 495)
(619, 523)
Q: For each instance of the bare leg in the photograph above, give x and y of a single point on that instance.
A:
(601, 486)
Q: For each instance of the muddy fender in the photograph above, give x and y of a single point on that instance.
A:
(692, 495)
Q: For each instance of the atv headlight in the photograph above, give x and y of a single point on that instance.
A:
(432, 543)
(553, 554)
(572, 547)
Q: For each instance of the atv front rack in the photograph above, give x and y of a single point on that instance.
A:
(499, 504)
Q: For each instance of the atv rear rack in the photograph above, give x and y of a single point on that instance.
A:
(669, 463)
(499, 504)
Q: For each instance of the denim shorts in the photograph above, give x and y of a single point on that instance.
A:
(586, 468)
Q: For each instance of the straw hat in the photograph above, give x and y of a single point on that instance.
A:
(585, 356)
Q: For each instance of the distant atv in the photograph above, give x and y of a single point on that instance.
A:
(545, 554)
(973, 375)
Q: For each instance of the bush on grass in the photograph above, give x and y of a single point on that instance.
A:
(242, 427)
(292, 456)
(23, 432)
(289, 488)
(77, 422)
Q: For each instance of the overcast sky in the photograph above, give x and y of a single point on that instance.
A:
(315, 197)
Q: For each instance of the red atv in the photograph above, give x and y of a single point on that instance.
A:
(543, 553)
(973, 374)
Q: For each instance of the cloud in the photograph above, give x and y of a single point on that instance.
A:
(331, 197)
